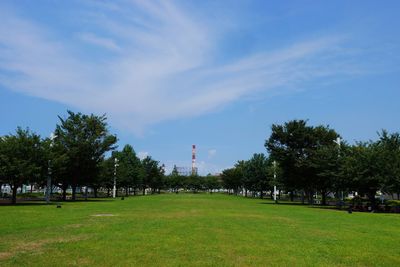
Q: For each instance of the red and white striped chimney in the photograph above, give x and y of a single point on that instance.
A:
(193, 159)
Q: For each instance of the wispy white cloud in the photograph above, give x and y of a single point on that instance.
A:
(99, 41)
(165, 68)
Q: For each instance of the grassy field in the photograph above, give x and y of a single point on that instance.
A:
(194, 230)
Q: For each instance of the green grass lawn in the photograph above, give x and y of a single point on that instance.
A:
(194, 230)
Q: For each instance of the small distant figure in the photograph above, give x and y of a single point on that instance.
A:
(58, 206)
(350, 210)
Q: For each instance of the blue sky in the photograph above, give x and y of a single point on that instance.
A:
(217, 74)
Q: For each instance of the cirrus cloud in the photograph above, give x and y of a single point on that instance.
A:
(150, 62)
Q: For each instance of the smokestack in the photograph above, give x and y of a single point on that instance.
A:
(194, 160)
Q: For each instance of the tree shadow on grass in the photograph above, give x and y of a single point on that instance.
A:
(41, 202)
(284, 203)
(327, 207)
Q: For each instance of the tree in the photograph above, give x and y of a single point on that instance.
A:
(194, 183)
(152, 175)
(82, 140)
(326, 163)
(364, 168)
(211, 182)
(299, 149)
(257, 172)
(106, 174)
(232, 179)
(390, 144)
(129, 172)
(247, 182)
(294, 145)
(22, 159)
(174, 181)
(286, 145)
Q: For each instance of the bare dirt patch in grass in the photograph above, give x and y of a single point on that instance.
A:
(36, 246)
(5, 255)
(103, 215)
(76, 225)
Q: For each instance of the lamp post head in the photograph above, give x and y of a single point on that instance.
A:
(116, 162)
(338, 141)
(52, 137)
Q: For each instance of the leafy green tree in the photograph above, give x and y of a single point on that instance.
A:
(363, 166)
(211, 182)
(326, 164)
(22, 159)
(194, 183)
(294, 145)
(287, 146)
(153, 175)
(82, 140)
(246, 179)
(390, 145)
(106, 175)
(257, 172)
(129, 172)
(232, 179)
(175, 181)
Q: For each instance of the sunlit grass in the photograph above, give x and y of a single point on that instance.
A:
(195, 229)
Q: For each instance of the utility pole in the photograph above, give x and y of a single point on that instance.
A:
(115, 177)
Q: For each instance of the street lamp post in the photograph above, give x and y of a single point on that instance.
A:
(115, 177)
(48, 182)
(49, 172)
(275, 181)
(338, 142)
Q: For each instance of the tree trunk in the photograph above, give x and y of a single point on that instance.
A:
(95, 191)
(144, 190)
(323, 193)
(126, 191)
(371, 196)
(302, 197)
(310, 197)
(86, 193)
(245, 192)
(73, 192)
(291, 195)
(31, 188)
(108, 192)
(64, 192)
(14, 194)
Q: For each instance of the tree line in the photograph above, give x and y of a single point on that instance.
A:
(315, 160)
(75, 157)
(302, 160)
